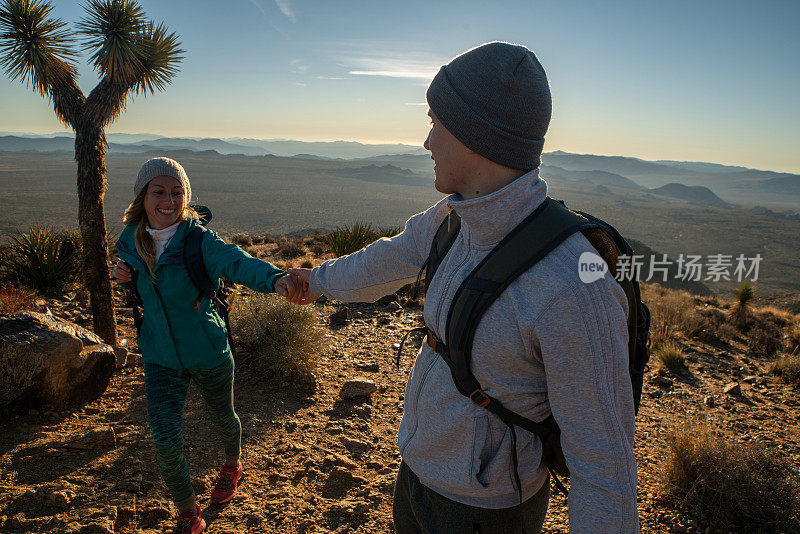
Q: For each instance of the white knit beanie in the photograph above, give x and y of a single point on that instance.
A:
(162, 167)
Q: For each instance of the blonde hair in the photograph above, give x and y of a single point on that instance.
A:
(135, 214)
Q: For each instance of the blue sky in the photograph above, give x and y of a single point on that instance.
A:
(691, 80)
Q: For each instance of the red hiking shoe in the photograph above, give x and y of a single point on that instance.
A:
(227, 483)
(190, 523)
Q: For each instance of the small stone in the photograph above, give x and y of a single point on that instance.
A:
(750, 379)
(662, 382)
(341, 317)
(60, 499)
(383, 319)
(358, 388)
(710, 401)
(388, 299)
(732, 388)
(350, 507)
(121, 354)
(355, 445)
(372, 367)
(394, 306)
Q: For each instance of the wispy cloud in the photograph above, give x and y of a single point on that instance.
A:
(417, 66)
(257, 5)
(286, 9)
(331, 77)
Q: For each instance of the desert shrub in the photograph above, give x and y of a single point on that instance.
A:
(389, 231)
(776, 316)
(349, 239)
(284, 338)
(13, 300)
(307, 264)
(787, 367)
(739, 312)
(765, 339)
(243, 240)
(290, 248)
(724, 332)
(730, 486)
(44, 260)
(318, 250)
(792, 336)
(671, 356)
(672, 312)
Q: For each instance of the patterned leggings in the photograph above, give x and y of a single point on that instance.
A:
(166, 395)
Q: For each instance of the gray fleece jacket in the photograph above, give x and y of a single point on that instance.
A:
(549, 344)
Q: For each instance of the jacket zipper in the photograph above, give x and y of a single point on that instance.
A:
(169, 327)
(418, 392)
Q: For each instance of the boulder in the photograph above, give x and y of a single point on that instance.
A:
(45, 360)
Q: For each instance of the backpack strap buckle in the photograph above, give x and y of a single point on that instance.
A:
(432, 341)
(479, 398)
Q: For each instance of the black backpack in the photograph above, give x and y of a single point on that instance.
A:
(192, 259)
(535, 237)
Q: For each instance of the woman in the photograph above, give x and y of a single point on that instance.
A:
(180, 341)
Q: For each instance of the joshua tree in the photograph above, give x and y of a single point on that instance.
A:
(131, 54)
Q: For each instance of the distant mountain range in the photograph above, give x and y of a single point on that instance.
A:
(131, 143)
(708, 184)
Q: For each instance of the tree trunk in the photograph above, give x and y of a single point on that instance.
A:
(90, 148)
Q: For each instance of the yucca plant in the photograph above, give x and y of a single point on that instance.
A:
(389, 231)
(45, 260)
(740, 310)
(349, 239)
(132, 55)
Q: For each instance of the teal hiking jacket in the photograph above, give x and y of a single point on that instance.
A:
(174, 334)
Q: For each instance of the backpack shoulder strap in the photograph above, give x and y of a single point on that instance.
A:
(535, 237)
(443, 240)
(193, 261)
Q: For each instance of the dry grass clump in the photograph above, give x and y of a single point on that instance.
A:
(792, 336)
(671, 356)
(285, 339)
(290, 248)
(243, 240)
(732, 486)
(765, 338)
(307, 264)
(672, 312)
(787, 367)
(318, 250)
(13, 300)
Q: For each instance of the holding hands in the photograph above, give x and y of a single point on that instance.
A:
(300, 279)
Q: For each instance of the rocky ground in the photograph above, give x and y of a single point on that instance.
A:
(316, 462)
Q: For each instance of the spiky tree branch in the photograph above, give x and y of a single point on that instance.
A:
(35, 48)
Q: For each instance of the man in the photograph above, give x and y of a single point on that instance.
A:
(550, 344)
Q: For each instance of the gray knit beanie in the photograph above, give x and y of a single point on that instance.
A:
(162, 167)
(495, 99)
